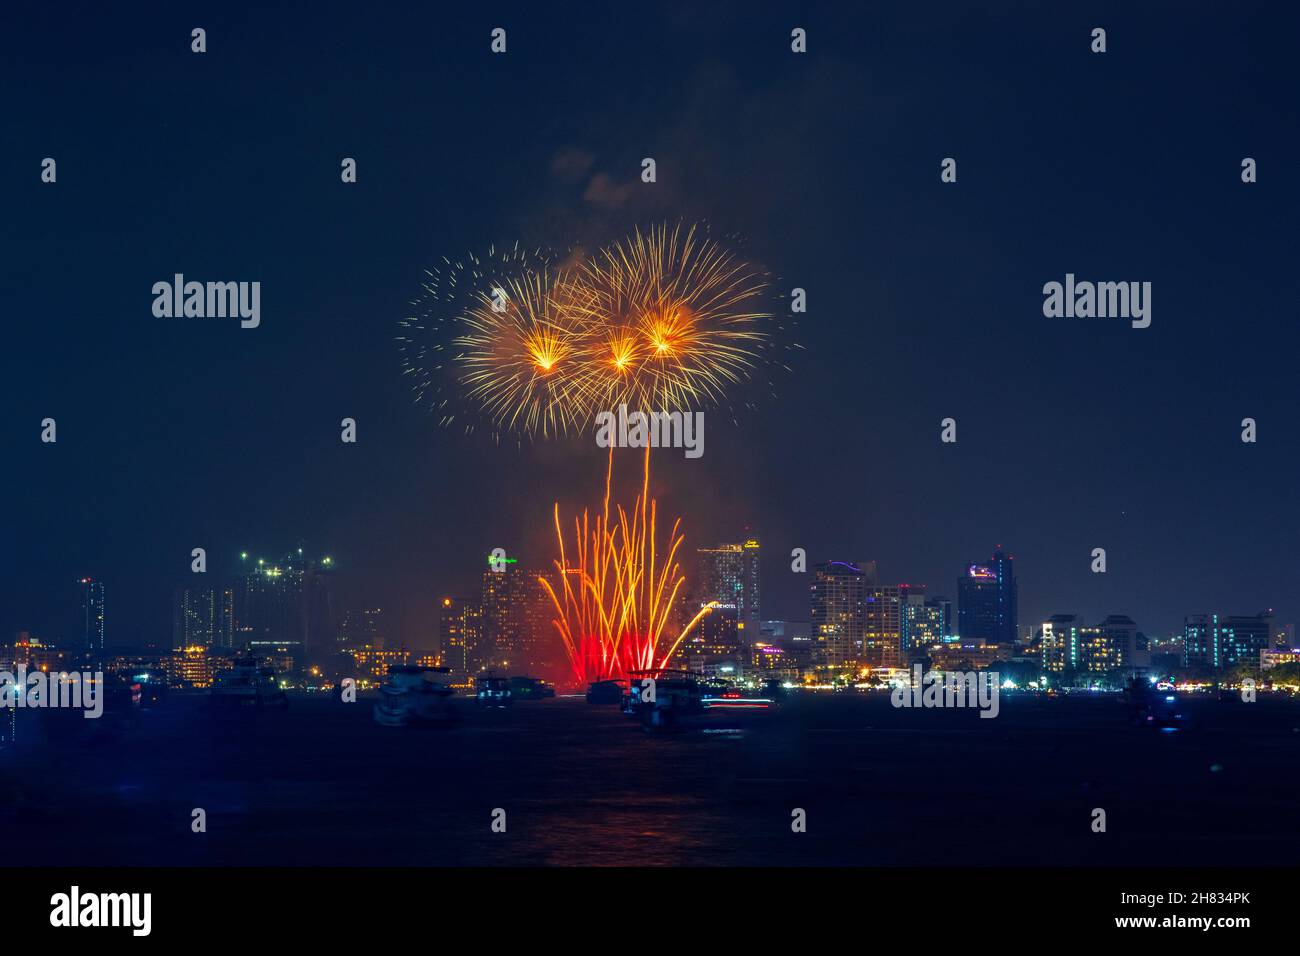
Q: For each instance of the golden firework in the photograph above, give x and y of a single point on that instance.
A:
(666, 320)
(671, 320)
(614, 595)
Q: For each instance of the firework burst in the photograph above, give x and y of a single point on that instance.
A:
(614, 595)
(664, 320)
(672, 321)
(455, 329)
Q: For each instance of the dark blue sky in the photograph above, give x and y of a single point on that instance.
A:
(924, 299)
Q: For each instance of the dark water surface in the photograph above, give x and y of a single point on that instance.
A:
(321, 784)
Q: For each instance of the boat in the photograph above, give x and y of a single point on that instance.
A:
(248, 684)
(606, 692)
(530, 688)
(1149, 706)
(414, 695)
(677, 695)
(493, 691)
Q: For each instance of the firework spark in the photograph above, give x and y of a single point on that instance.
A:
(665, 320)
(615, 594)
(455, 328)
(672, 321)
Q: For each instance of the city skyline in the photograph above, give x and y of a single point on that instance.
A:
(281, 603)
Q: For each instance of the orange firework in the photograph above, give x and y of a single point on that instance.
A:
(517, 354)
(614, 603)
(671, 321)
(666, 320)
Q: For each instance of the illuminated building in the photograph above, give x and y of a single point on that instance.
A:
(373, 662)
(839, 611)
(773, 660)
(1061, 643)
(977, 605)
(964, 656)
(92, 614)
(284, 656)
(514, 625)
(729, 574)
(35, 655)
(364, 628)
(287, 600)
(882, 630)
(202, 616)
(924, 622)
(1069, 645)
(194, 666)
(1220, 642)
(1006, 629)
(1114, 643)
(454, 627)
(714, 641)
(1269, 659)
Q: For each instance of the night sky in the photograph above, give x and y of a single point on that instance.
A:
(924, 298)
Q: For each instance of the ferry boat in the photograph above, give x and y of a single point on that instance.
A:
(493, 691)
(1150, 706)
(249, 683)
(530, 688)
(414, 695)
(678, 694)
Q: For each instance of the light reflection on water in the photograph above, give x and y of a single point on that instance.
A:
(321, 784)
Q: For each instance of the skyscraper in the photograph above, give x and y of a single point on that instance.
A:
(453, 629)
(977, 605)
(1007, 628)
(202, 617)
(839, 612)
(882, 635)
(287, 600)
(729, 575)
(92, 614)
(514, 624)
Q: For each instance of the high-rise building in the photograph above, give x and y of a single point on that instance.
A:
(924, 622)
(1115, 643)
(1006, 629)
(92, 614)
(1062, 639)
(714, 640)
(287, 600)
(977, 605)
(457, 622)
(364, 627)
(515, 625)
(202, 617)
(1218, 642)
(839, 612)
(882, 632)
(729, 575)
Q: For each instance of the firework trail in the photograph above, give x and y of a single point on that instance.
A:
(615, 593)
